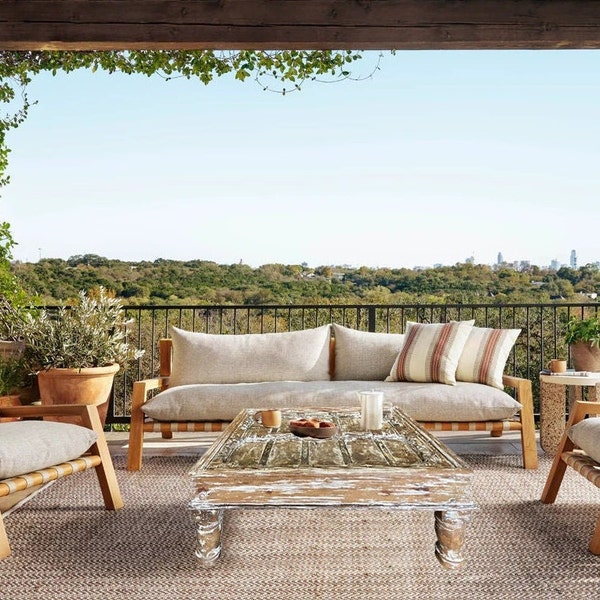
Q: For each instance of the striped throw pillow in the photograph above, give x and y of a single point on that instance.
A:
(485, 354)
(431, 351)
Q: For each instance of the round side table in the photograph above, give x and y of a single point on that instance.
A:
(553, 404)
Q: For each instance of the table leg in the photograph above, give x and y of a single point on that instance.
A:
(450, 526)
(552, 415)
(208, 523)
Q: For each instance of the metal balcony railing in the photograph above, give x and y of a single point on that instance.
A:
(542, 330)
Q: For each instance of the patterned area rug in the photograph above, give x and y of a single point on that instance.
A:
(66, 546)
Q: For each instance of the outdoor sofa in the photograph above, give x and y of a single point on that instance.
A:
(447, 376)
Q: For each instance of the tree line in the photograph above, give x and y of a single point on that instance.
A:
(159, 282)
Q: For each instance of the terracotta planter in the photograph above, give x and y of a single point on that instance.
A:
(585, 357)
(78, 386)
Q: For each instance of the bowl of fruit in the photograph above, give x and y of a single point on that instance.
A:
(315, 428)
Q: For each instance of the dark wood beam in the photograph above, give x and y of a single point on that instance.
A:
(299, 24)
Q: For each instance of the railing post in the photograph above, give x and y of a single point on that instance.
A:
(371, 318)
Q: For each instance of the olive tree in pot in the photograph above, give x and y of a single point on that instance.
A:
(583, 338)
(77, 350)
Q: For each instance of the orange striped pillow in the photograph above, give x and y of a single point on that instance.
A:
(431, 352)
(485, 354)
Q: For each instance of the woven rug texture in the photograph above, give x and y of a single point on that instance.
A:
(65, 545)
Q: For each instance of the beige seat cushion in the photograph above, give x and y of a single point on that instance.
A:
(586, 435)
(363, 355)
(250, 358)
(422, 401)
(27, 446)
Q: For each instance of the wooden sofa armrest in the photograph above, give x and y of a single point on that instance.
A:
(141, 389)
(525, 398)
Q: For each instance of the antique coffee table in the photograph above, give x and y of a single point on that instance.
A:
(400, 466)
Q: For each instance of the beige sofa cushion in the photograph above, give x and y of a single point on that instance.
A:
(363, 355)
(431, 352)
(586, 435)
(27, 446)
(251, 358)
(485, 354)
(422, 401)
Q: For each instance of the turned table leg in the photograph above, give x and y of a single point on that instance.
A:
(208, 523)
(450, 528)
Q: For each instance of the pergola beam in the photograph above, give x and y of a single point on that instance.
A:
(298, 24)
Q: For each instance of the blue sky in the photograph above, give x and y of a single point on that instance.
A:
(439, 156)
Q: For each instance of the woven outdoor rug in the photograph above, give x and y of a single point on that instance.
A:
(65, 546)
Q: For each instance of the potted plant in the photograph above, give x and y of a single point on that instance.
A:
(14, 376)
(76, 350)
(583, 338)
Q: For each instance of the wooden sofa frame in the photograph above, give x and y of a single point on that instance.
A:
(567, 455)
(524, 423)
(98, 458)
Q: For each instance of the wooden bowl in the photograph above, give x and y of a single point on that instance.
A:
(314, 432)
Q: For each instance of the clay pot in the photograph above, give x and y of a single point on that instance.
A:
(585, 357)
(78, 386)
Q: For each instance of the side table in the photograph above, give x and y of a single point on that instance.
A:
(552, 404)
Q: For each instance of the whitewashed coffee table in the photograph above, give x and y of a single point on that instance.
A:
(400, 467)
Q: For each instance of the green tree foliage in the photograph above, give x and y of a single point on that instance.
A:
(56, 281)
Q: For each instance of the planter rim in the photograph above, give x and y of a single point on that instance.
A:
(61, 371)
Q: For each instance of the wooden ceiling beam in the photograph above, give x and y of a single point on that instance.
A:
(298, 24)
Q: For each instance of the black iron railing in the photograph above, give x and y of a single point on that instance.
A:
(542, 330)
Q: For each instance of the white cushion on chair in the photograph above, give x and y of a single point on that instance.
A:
(586, 435)
(27, 446)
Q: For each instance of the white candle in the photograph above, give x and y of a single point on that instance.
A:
(371, 409)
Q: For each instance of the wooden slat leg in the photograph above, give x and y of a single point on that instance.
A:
(594, 546)
(4, 545)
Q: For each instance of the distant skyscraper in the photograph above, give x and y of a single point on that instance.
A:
(555, 265)
(500, 258)
(573, 261)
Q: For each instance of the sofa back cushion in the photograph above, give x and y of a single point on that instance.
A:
(363, 355)
(250, 358)
(431, 352)
(485, 354)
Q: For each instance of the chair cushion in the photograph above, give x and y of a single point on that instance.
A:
(364, 355)
(250, 358)
(431, 352)
(27, 446)
(485, 354)
(421, 401)
(586, 435)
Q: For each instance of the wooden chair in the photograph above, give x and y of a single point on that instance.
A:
(567, 455)
(97, 458)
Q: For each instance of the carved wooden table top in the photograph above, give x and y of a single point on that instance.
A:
(400, 466)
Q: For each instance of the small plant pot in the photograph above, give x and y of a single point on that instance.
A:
(78, 386)
(585, 357)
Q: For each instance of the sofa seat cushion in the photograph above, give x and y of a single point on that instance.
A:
(586, 435)
(422, 401)
(250, 358)
(27, 446)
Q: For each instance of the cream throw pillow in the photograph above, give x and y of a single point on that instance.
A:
(431, 352)
(250, 358)
(364, 355)
(485, 354)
